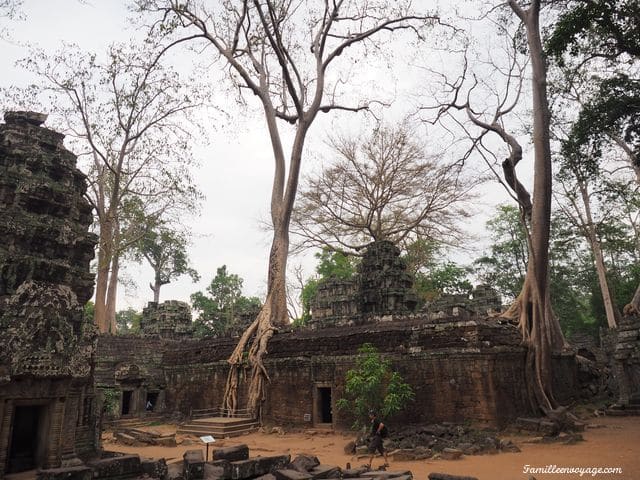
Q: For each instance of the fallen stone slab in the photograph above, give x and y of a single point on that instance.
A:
(353, 472)
(232, 454)
(304, 462)
(193, 465)
(268, 476)
(174, 471)
(165, 441)
(224, 466)
(291, 474)
(325, 471)
(122, 466)
(381, 474)
(214, 472)
(125, 439)
(451, 454)
(66, 473)
(245, 469)
(446, 476)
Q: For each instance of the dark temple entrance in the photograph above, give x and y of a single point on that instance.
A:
(126, 402)
(324, 405)
(24, 453)
(152, 401)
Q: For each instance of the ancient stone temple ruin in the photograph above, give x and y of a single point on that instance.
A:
(171, 319)
(381, 287)
(47, 407)
(461, 367)
(627, 365)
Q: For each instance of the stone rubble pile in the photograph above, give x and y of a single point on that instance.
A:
(446, 441)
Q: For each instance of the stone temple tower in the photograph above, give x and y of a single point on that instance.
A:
(47, 408)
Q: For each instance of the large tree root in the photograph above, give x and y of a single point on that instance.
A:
(258, 334)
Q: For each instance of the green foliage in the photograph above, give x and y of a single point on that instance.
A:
(223, 304)
(335, 264)
(373, 385)
(331, 264)
(596, 27)
(110, 401)
(505, 266)
(614, 109)
(165, 250)
(128, 321)
(447, 278)
(89, 311)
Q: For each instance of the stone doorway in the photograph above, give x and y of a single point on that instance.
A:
(152, 401)
(26, 451)
(323, 414)
(127, 397)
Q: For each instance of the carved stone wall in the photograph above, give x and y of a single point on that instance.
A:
(460, 369)
(45, 250)
(627, 360)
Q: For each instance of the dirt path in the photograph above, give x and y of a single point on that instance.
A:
(609, 442)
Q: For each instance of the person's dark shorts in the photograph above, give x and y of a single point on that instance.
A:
(376, 444)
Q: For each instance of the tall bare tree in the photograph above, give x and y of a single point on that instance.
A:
(125, 117)
(383, 187)
(532, 308)
(286, 54)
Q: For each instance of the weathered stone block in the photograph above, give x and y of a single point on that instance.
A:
(304, 463)
(67, 473)
(214, 472)
(244, 469)
(290, 474)
(193, 464)
(353, 472)
(446, 476)
(232, 454)
(325, 471)
(154, 468)
(123, 466)
(451, 454)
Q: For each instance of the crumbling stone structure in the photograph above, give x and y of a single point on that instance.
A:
(459, 369)
(171, 319)
(47, 403)
(627, 362)
(381, 288)
(484, 300)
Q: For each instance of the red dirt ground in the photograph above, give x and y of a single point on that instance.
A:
(609, 442)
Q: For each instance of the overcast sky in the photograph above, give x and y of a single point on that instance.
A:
(236, 162)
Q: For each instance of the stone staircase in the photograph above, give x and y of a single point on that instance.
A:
(220, 427)
(633, 409)
(134, 422)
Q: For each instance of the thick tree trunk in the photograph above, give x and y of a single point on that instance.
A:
(155, 288)
(601, 269)
(102, 277)
(112, 294)
(540, 328)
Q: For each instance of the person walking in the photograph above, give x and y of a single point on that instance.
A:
(378, 432)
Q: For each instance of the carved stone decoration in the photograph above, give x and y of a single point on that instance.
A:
(41, 326)
(46, 358)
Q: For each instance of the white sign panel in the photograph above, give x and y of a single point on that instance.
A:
(207, 439)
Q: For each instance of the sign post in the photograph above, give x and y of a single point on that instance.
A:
(207, 439)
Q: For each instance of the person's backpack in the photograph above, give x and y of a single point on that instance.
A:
(384, 432)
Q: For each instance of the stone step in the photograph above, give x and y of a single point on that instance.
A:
(219, 426)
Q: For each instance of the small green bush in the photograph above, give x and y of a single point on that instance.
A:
(373, 385)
